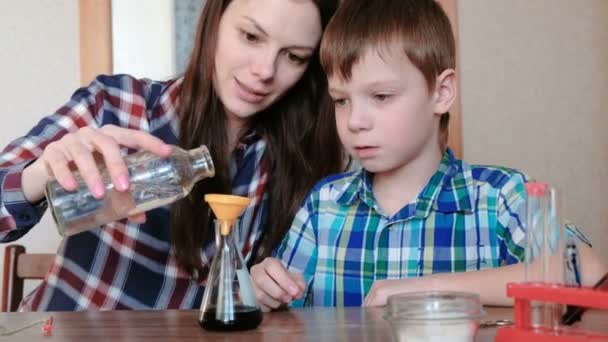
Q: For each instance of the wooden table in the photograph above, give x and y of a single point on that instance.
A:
(311, 324)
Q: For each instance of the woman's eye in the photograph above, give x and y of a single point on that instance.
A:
(339, 102)
(296, 59)
(250, 37)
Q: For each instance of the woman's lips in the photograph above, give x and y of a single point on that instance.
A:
(249, 94)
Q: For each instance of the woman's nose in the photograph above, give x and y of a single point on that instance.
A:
(264, 66)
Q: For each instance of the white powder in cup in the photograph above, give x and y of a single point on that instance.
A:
(435, 330)
(434, 316)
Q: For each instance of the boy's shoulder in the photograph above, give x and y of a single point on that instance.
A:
(336, 181)
(496, 176)
(333, 187)
(463, 185)
(458, 175)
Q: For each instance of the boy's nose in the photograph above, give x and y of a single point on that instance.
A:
(359, 120)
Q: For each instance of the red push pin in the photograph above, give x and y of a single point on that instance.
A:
(47, 328)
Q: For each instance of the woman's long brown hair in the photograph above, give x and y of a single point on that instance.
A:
(300, 131)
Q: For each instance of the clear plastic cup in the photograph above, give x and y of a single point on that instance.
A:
(434, 316)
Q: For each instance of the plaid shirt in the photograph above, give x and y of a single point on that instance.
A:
(121, 265)
(466, 218)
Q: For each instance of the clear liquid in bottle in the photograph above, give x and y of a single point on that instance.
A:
(153, 182)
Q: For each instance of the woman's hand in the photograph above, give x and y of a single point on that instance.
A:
(274, 285)
(80, 151)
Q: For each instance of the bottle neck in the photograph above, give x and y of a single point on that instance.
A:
(202, 164)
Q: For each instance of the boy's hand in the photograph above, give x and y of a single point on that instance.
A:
(382, 289)
(274, 285)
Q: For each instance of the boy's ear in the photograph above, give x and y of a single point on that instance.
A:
(445, 91)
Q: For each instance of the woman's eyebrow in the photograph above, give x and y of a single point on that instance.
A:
(259, 28)
(255, 23)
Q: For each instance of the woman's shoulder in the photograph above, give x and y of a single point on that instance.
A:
(118, 84)
(133, 96)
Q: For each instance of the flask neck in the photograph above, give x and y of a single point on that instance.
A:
(201, 162)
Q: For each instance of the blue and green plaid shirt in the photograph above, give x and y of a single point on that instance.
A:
(466, 218)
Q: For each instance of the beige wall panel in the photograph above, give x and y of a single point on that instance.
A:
(535, 96)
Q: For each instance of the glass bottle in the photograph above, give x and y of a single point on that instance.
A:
(229, 303)
(154, 181)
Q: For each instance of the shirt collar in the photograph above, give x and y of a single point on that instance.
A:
(450, 189)
(248, 151)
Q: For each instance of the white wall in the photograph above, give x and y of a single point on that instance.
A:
(39, 70)
(535, 96)
(143, 38)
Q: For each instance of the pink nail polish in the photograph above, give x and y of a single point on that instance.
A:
(71, 184)
(123, 183)
(99, 190)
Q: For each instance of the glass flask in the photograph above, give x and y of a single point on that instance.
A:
(229, 302)
(154, 181)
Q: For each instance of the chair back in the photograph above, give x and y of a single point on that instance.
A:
(20, 266)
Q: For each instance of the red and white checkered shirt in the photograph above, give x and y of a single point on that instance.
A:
(120, 265)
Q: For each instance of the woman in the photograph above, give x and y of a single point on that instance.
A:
(253, 93)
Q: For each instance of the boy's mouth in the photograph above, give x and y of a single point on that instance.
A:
(366, 152)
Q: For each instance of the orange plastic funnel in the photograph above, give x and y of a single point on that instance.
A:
(227, 208)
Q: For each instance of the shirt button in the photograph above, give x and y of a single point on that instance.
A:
(24, 217)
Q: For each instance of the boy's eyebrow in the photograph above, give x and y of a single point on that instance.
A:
(382, 83)
(259, 28)
(334, 90)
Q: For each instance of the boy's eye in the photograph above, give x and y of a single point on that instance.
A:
(382, 97)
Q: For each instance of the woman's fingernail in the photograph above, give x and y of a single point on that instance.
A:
(70, 184)
(123, 183)
(98, 190)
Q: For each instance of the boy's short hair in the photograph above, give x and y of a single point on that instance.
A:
(421, 26)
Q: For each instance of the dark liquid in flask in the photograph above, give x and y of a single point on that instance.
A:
(245, 318)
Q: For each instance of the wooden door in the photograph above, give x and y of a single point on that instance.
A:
(455, 127)
(95, 39)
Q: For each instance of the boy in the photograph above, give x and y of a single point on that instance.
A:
(415, 218)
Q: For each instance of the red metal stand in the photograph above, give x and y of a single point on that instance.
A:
(524, 293)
